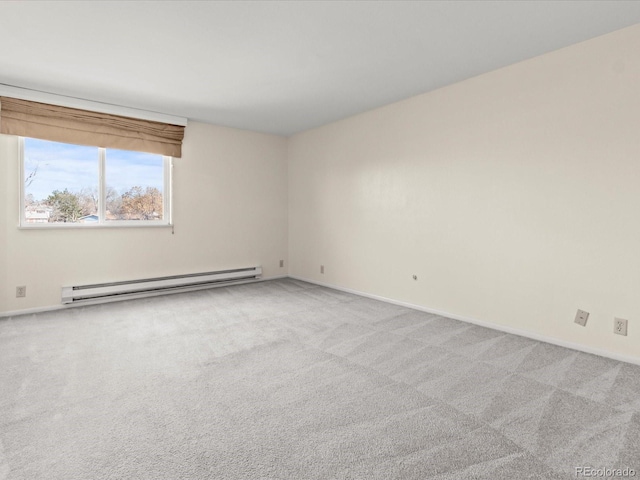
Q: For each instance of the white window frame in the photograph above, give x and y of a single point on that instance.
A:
(102, 222)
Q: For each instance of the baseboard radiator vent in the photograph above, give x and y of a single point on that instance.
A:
(109, 292)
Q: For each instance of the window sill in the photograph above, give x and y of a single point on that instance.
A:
(85, 226)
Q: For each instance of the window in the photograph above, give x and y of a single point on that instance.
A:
(73, 185)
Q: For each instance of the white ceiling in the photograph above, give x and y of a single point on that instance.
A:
(282, 66)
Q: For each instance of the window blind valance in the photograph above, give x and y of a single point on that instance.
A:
(71, 125)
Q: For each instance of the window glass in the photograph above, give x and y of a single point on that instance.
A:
(60, 182)
(68, 184)
(134, 185)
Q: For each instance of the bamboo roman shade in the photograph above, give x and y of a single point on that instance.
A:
(71, 125)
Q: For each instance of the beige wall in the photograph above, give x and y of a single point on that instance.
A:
(230, 210)
(513, 196)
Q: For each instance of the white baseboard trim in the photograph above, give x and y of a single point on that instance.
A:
(482, 323)
(275, 277)
(29, 311)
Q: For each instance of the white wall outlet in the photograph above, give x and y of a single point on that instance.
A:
(620, 326)
(21, 291)
(581, 317)
(321, 268)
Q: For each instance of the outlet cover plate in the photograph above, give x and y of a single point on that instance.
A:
(620, 326)
(581, 317)
(21, 292)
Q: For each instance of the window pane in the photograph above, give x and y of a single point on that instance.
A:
(60, 182)
(134, 185)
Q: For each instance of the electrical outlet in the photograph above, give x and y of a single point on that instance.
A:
(21, 291)
(415, 277)
(321, 268)
(620, 326)
(281, 263)
(582, 317)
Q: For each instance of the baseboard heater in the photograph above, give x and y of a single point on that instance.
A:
(109, 292)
